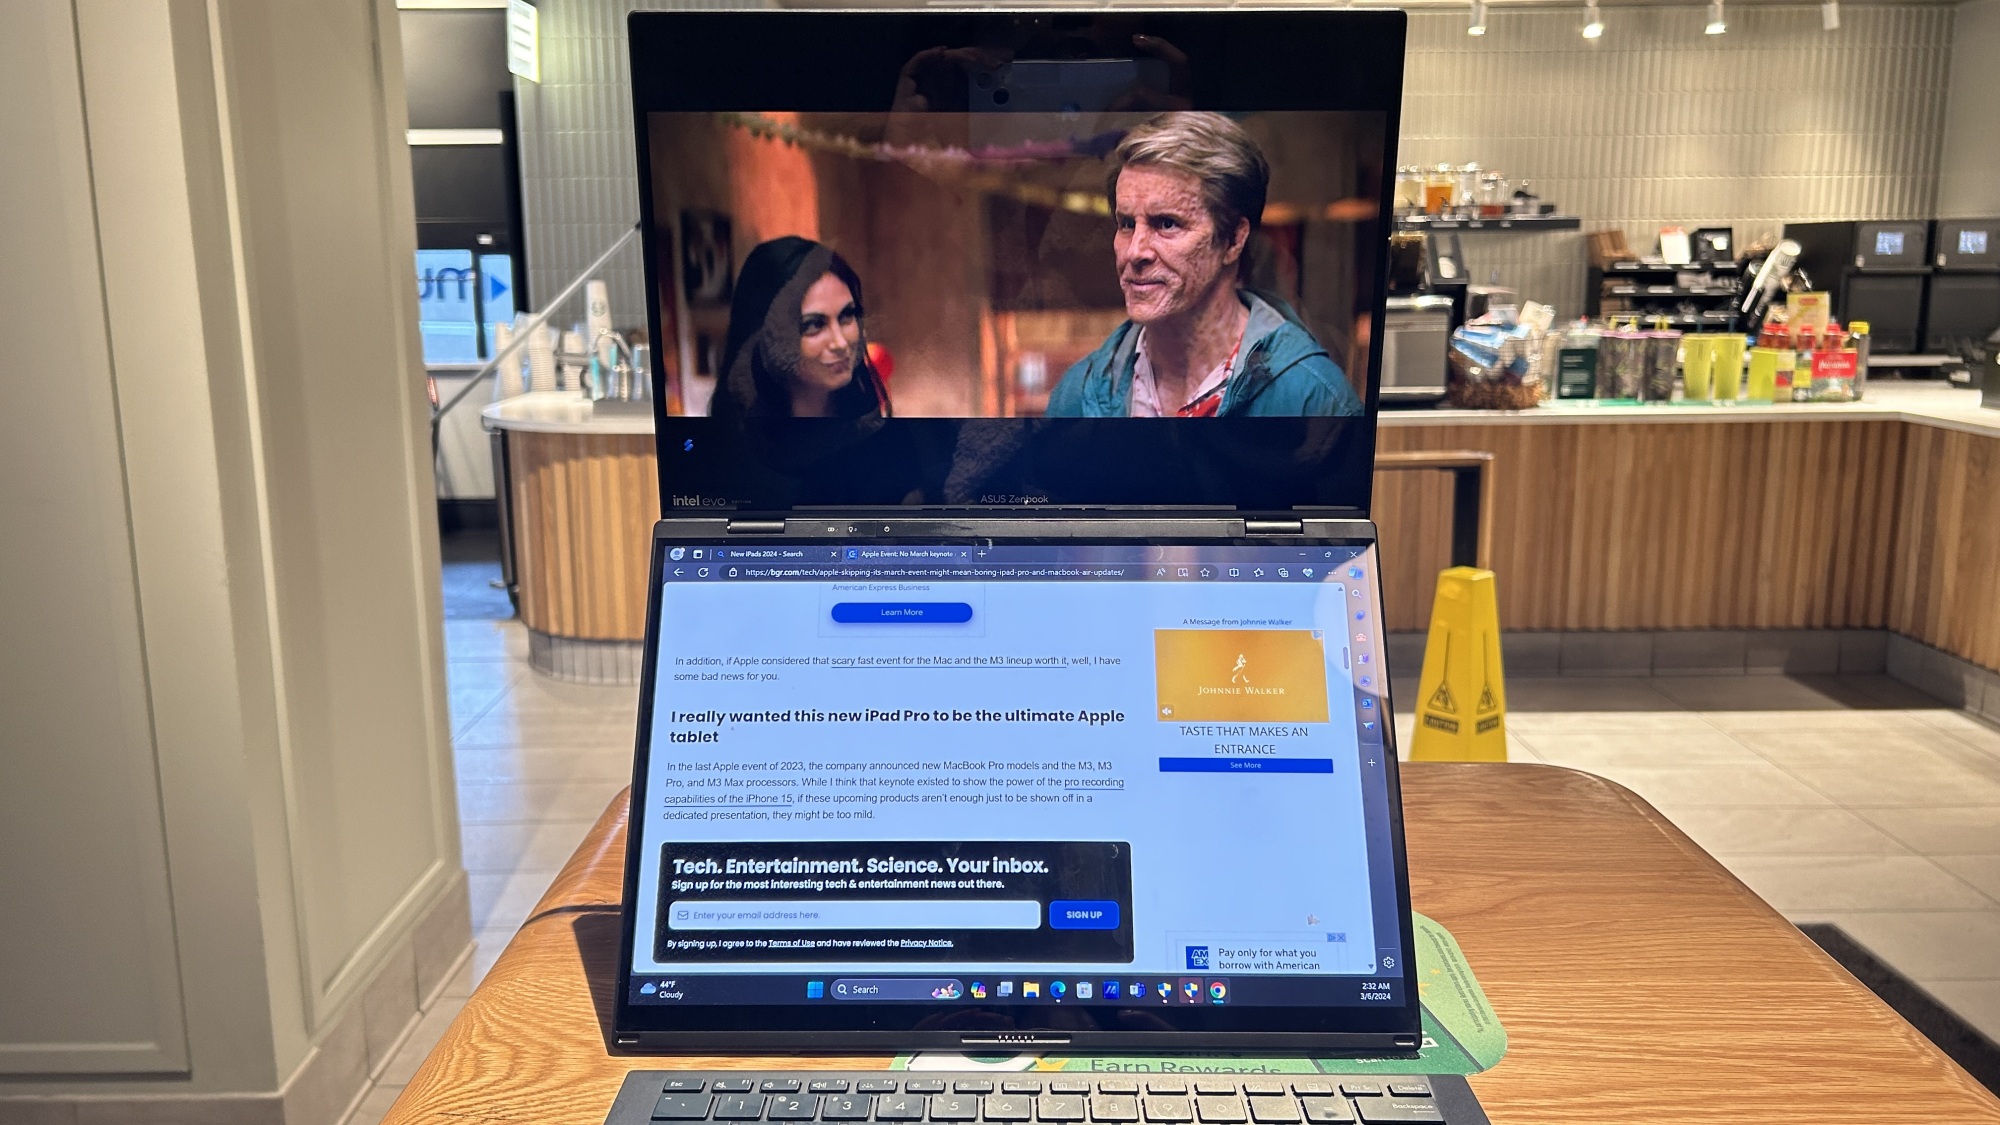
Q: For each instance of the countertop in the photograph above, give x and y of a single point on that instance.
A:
(1921, 402)
(564, 412)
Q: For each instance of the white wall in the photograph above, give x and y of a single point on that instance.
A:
(227, 807)
(1656, 123)
(1969, 186)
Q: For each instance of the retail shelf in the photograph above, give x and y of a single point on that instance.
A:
(1668, 291)
(1505, 222)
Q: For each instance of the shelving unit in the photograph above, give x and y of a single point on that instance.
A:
(1699, 295)
(1504, 222)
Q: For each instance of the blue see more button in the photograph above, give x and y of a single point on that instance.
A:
(1083, 914)
(902, 613)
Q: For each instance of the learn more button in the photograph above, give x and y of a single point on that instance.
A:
(902, 613)
(1083, 914)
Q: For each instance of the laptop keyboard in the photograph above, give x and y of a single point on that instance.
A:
(655, 1097)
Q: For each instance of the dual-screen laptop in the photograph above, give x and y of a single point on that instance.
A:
(1015, 682)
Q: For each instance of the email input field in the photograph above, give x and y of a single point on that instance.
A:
(857, 914)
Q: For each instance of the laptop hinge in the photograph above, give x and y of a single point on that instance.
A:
(756, 527)
(1274, 527)
(1013, 1039)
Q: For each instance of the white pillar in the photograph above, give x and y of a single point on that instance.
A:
(229, 866)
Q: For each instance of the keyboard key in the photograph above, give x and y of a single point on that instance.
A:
(845, 1107)
(1220, 1110)
(1313, 1089)
(1059, 1107)
(734, 1085)
(793, 1107)
(1263, 1089)
(684, 1085)
(1274, 1111)
(1009, 1107)
(1114, 1108)
(1168, 1108)
(1117, 1086)
(1409, 1089)
(955, 1107)
(1361, 1089)
(780, 1086)
(1398, 1111)
(1021, 1086)
(682, 1107)
(875, 1086)
(1327, 1111)
(828, 1086)
(972, 1086)
(1070, 1086)
(739, 1107)
(899, 1107)
(924, 1086)
(1166, 1086)
(1214, 1087)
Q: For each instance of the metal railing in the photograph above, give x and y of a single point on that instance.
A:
(534, 324)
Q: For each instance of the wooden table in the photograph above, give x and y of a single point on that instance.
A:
(1637, 979)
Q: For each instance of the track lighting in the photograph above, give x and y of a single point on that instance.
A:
(1716, 24)
(1593, 20)
(1829, 15)
(1478, 24)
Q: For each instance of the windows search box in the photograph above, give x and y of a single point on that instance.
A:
(857, 914)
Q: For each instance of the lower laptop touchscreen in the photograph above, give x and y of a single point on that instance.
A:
(1126, 788)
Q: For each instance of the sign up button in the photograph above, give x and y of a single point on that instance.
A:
(1083, 914)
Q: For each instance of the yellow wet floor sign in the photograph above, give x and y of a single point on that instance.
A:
(1462, 698)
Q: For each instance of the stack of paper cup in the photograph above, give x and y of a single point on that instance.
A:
(542, 359)
(507, 377)
(597, 322)
(574, 359)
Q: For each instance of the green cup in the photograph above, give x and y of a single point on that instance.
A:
(1697, 367)
(1728, 367)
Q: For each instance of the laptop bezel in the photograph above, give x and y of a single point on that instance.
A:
(802, 1028)
(689, 61)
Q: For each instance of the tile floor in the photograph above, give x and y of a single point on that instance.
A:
(1854, 800)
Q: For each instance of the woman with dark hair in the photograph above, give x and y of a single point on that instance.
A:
(796, 346)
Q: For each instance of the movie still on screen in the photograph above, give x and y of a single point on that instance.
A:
(1045, 262)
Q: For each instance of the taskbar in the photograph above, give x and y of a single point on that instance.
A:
(1095, 989)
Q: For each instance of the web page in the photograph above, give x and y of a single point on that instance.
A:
(930, 773)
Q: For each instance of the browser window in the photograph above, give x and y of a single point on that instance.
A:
(1042, 774)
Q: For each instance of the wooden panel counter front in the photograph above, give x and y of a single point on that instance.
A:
(1806, 517)
(1803, 517)
(1637, 979)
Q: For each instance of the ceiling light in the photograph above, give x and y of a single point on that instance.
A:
(1478, 24)
(1593, 25)
(1829, 15)
(1716, 24)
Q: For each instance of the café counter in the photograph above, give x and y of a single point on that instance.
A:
(1881, 514)
(579, 492)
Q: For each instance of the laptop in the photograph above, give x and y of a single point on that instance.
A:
(1014, 677)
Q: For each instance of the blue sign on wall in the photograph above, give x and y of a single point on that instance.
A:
(447, 309)
(496, 281)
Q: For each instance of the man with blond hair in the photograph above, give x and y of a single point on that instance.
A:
(1187, 189)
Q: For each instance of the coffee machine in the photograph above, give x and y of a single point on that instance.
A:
(1963, 309)
(1874, 271)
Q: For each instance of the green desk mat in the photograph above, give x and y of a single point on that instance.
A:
(1461, 1034)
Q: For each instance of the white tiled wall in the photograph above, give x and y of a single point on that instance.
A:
(1655, 123)
(579, 184)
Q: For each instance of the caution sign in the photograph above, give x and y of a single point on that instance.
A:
(1462, 699)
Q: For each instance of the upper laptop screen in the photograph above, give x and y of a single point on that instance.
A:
(1027, 787)
(1086, 258)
